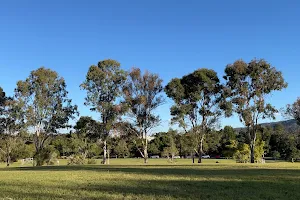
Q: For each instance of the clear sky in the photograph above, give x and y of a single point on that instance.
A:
(168, 37)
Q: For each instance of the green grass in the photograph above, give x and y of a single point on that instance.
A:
(131, 179)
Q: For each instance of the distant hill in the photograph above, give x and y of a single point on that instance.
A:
(289, 125)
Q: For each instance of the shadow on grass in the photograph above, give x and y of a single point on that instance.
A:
(161, 189)
(168, 170)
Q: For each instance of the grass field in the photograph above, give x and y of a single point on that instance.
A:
(131, 179)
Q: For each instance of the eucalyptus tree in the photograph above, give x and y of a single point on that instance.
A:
(293, 110)
(248, 84)
(143, 95)
(197, 98)
(46, 108)
(9, 127)
(103, 85)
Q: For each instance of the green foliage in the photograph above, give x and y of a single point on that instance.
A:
(276, 155)
(103, 85)
(170, 150)
(293, 111)
(197, 98)
(142, 93)
(295, 154)
(52, 159)
(242, 154)
(10, 128)
(47, 155)
(247, 86)
(230, 148)
(91, 162)
(212, 142)
(187, 145)
(76, 160)
(121, 149)
(45, 107)
(259, 150)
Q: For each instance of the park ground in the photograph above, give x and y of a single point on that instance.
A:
(131, 179)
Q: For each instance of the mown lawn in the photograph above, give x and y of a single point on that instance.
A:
(130, 179)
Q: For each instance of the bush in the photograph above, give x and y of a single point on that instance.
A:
(46, 155)
(242, 155)
(276, 155)
(91, 162)
(52, 159)
(76, 160)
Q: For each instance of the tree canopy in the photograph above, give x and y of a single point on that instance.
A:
(247, 87)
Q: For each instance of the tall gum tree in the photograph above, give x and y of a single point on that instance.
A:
(143, 95)
(103, 85)
(197, 97)
(43, 99)
(247, 85)
(9, 127)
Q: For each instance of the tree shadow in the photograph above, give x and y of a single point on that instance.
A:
(168, 170)
(164, 189)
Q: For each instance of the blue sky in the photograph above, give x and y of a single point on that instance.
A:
(168, 37)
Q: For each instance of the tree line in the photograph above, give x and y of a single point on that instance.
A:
(127, 102)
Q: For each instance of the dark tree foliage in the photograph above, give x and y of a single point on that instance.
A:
(197, 97)
(10, 128)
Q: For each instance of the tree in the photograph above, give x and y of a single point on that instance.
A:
(247, 86)
(44, 102)
(276, 155)
(197, 97)
(293, 111)
(9, 128)
(84, 134)
(242, 153)
(143, 96)
(170, 149)
(186, 145)
(259, 150)
(121, 148)
(103, 84)
(228, 142)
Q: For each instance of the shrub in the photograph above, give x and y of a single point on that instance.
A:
(45, 156)
(242, 155)
(76, 160)
(276, 155)
(52, 159)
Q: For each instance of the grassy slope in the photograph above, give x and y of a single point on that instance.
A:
(130, 179)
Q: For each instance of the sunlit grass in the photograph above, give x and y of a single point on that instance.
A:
(160, 179)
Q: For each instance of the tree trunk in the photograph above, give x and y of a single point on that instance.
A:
(38, 158)
(104, 152)
(193, 157)
(108, 154)
(200, 151)
(252, 146)
(146, 150)
(145, 155)
(252, 153)
(8, 159)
